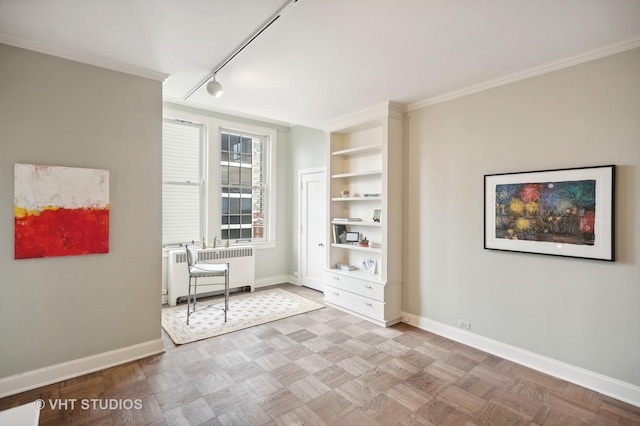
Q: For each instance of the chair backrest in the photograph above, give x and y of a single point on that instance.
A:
(192, 255)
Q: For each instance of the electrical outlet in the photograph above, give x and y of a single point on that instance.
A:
(464, 324)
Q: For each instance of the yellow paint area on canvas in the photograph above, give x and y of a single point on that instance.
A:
(20, 212)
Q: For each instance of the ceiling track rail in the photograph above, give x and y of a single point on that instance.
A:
(266, 25)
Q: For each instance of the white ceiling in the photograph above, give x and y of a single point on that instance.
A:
(323, 59)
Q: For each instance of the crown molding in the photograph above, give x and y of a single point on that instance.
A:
(376, 112)
(80, 57)
(223, 113)
(570, 61)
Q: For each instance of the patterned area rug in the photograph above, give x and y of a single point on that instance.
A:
(245, 310)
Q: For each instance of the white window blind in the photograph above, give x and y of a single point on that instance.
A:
(182, 182)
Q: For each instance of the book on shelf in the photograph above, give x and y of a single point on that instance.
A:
(345, 267)
(346, 219)
(339, 233)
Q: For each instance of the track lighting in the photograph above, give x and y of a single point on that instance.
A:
(214, 88)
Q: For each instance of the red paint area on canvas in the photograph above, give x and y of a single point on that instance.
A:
(62, 232)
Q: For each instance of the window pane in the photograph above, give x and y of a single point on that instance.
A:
(245, 233)
(234, 205)
(180, 152)
(246, 145)
(225, 205)
(246, 205)
(234, 147)
(233, 175)
(234, 219)
(180, 213)
(246, 176)
(224, 174)
(234, 234)
(246, 219)
(224, 138)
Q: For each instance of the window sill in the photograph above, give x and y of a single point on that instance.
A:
(257, 246)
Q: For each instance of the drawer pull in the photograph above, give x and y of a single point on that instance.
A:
(368, 304)
(336, 278)
(368, 286)
(336, 294)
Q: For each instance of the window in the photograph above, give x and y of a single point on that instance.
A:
(219, 180)
(182, 182)
(243, 186)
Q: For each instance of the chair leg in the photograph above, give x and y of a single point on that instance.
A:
(189, 302)
(195, 293)
(226, 292)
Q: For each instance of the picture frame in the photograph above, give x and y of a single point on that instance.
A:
(561, 212)
(353, 237)
(368, 266)
(377, 213)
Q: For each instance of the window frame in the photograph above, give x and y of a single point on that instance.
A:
(213, 127)
(264, 187)
(202, 180)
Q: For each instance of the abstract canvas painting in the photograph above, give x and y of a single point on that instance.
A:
(567, 212)
(60, 211)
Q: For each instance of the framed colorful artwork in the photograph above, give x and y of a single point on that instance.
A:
(60, 211)
(564, 212)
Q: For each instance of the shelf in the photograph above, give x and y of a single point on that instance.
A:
(357, 247)
(356, 199)
(364, 156)
(356, 223)
(359, 150)
(355, 174)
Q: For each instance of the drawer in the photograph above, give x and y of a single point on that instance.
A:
(355, 285)
(354, 302)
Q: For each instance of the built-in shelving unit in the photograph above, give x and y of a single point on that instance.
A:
(365, 169)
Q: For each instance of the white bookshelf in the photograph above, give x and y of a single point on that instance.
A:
(365, 159)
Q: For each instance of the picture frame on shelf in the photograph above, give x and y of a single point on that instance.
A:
(377, 213)
(368, 266)
(561, 212)
(353, 237)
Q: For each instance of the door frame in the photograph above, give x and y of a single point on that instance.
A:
(299, 231)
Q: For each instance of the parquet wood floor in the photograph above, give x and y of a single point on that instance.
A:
(327, 367)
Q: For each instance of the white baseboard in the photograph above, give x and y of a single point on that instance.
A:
(33, 379)
(622, 391)
(276, 279)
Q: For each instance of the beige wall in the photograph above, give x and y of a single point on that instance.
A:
(58, 112)
(582, 312)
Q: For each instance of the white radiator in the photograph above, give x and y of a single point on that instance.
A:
(241, 270)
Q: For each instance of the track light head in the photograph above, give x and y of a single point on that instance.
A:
(214, 88)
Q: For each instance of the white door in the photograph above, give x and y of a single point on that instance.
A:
(313, 226)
